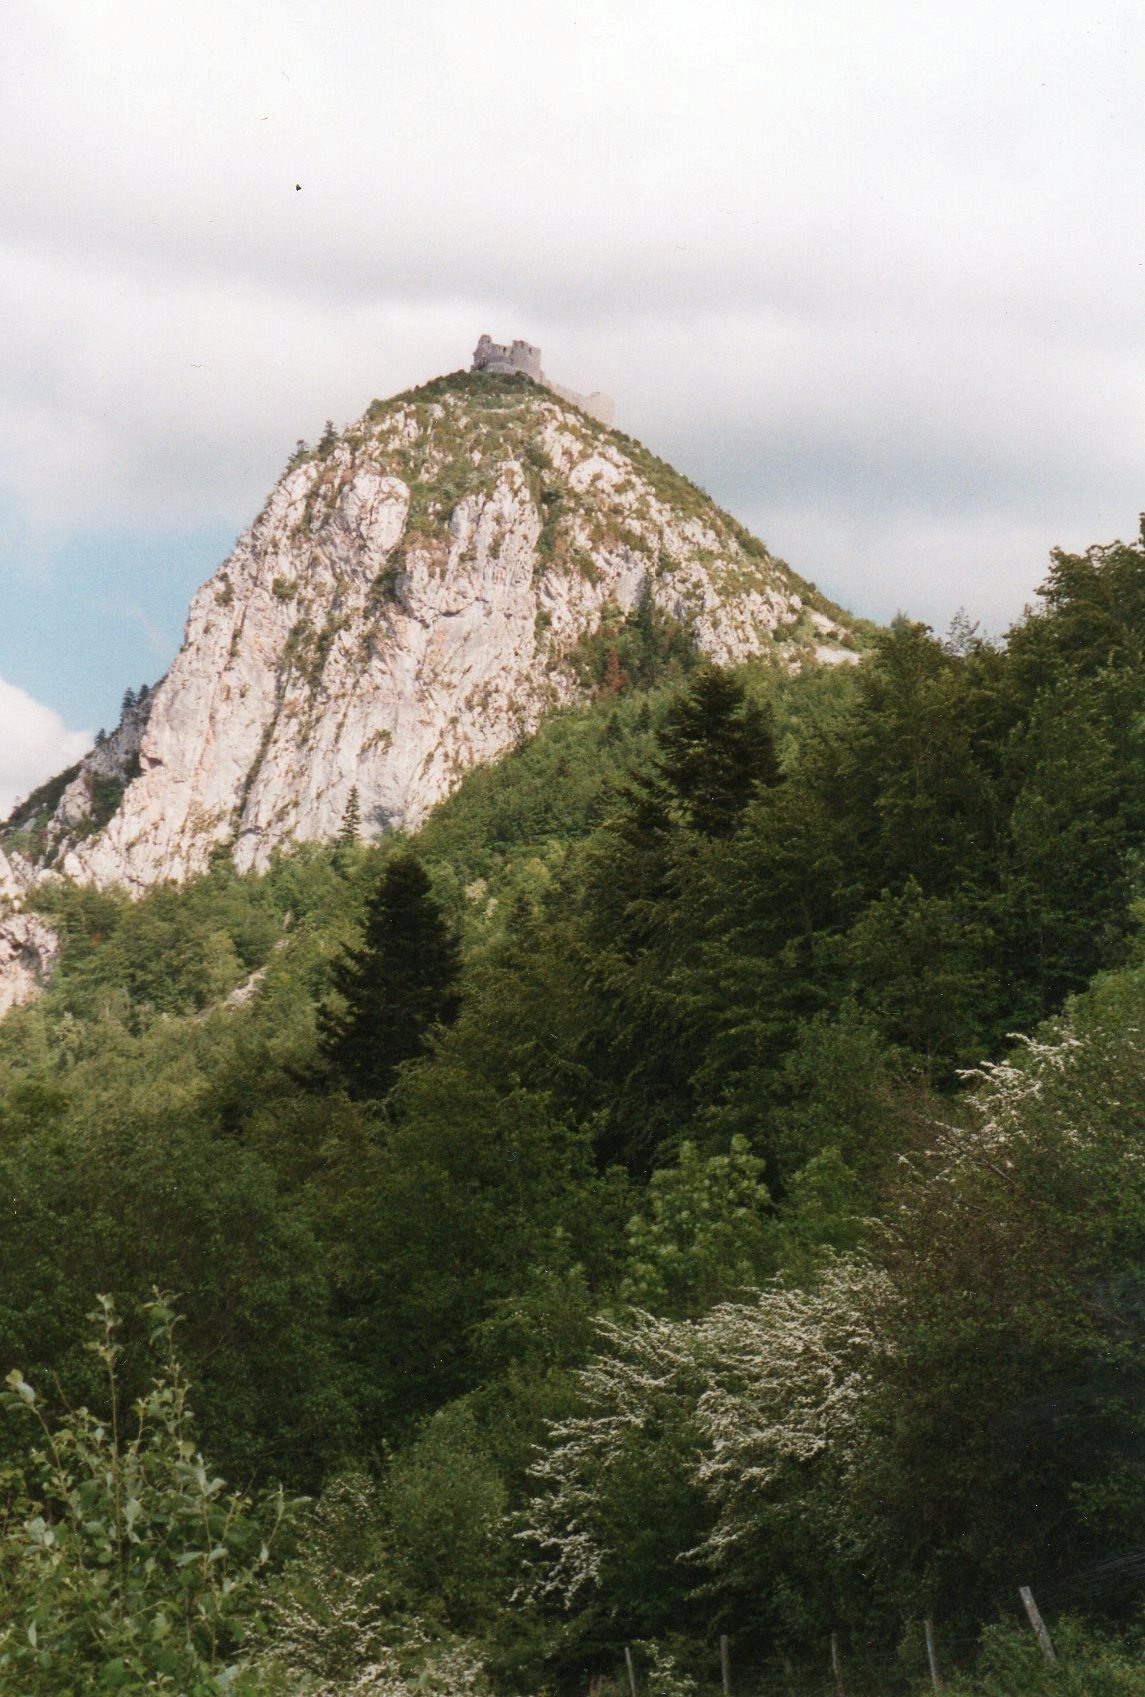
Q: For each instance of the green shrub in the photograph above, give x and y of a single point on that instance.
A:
(337, 1628)
(125, 1565)
(1088, 1665)
(446, 1504)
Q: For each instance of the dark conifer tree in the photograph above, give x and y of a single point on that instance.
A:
(716, 749)
(394, 987)
(349, 836)
(351, 827)
(642, 906)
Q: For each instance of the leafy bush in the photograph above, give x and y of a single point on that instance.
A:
(446, 1505)
(1088, 1665)
(705, 1233)
(337, 1627)
(125, 1565)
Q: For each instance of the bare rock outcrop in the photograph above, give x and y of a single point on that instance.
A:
(103, 775)
(414, 596)
(29, 951)
(29, 948)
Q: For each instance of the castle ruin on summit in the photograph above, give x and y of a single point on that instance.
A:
(523, 357)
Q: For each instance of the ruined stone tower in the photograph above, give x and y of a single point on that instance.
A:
(518, 356)
(523, 357)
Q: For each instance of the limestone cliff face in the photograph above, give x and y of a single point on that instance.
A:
(101, 777)
(29, 949)
(414, 596)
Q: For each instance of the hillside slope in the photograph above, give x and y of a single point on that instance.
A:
(414, 596)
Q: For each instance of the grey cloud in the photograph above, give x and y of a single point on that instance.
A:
(869, 274)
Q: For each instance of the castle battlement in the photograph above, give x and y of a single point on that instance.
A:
(519, 356)
(516, 356)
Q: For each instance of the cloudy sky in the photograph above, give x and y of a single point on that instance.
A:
(870, 272)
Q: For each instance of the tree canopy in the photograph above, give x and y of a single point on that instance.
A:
(709, 1148)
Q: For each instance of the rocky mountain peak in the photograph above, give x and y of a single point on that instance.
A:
(416, 593)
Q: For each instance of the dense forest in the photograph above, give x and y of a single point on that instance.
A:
(693, 1189)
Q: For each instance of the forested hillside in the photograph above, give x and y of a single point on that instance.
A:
(693, 1187)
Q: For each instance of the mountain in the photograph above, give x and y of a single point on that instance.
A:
(417, 592)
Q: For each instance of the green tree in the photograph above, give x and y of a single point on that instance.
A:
(129, 1566)
(471, 1194)
(445, 1502)
(716, 750)
(1010, 1408)
(916, 962)
(394, 988)
(125, 1207)
(704, 1234)
(1066, 871)
(351, 826)
(645, 882)
(1092, 620)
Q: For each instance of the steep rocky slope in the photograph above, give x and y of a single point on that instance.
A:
(29, 949)
(415, 594)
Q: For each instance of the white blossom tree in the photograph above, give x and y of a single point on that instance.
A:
(754, 1405)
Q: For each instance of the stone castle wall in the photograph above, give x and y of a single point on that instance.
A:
(516, 356)
(597, 405)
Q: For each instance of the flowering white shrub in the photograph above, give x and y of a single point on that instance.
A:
(795, 1371)
(336, 1629)
(650, 1378)
(659, 1674)
(752, 1400)
(409, 1670)
(1006, 1093)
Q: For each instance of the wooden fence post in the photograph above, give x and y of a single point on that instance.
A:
(628, 1662)
(837, 1666)
(725, 1665)
(932, 1655)
(1037, 1622)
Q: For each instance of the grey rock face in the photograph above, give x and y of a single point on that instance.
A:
(111, 764)
(16, 876)
(411, 600)
(29, 951)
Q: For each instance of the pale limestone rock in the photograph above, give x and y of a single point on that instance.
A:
(243, 994)
(827, 656)
(29, 950)
(116, 758)
(17, 875)
(408, 605)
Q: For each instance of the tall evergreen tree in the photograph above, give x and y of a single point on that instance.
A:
(716, 749)
(351, 827)
(394, 987)
(642, 905)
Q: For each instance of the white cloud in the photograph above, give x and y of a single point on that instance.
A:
(35, 744)
(887, 253)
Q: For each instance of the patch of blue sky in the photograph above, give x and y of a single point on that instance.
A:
(86, 616)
